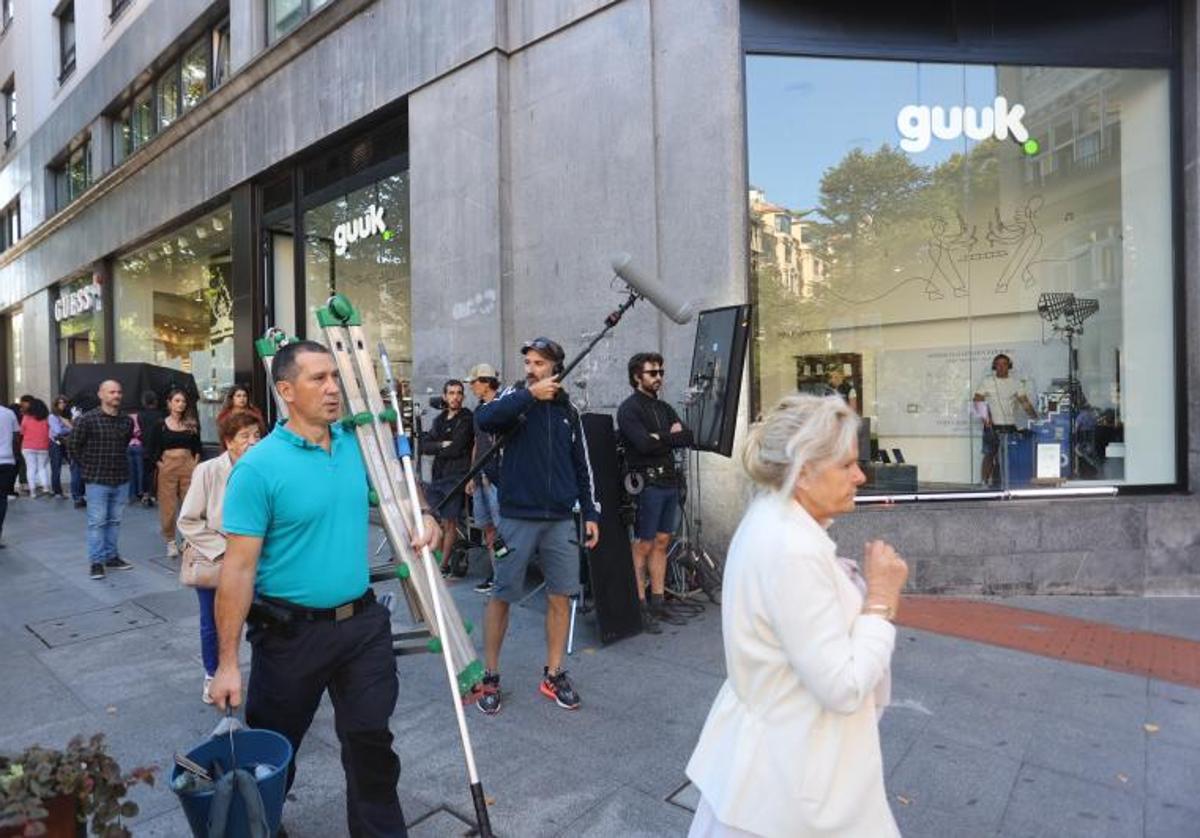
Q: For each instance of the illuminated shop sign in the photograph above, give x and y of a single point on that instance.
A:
(79, 301)
(919, 124)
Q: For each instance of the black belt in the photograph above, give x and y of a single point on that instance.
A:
(338, 613)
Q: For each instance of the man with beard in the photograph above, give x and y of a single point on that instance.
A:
(545, 473)
(651, 431)
(449, 442)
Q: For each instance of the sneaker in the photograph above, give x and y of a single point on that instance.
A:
(666, 615)
(485, 587)
(649, 621)
(445, 571)
(117, 563)
(172, 550)
(80, 503)
(97, 571)
(206, 695)
(558, 688)
(489, 702)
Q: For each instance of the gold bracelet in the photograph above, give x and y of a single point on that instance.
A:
(888, 612)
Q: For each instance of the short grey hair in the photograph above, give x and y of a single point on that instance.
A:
(800, 431)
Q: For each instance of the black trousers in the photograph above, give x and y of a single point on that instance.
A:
(291, 668)
(8, 476)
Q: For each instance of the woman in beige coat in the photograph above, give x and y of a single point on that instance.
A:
(791, 744)
(200, 520)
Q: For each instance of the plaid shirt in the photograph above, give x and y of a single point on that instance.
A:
(100, 442)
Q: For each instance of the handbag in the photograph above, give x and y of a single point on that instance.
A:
(197, 570)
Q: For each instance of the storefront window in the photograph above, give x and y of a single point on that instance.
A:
(78, 313)
(978, 258)
(173, 308)
(357, 245)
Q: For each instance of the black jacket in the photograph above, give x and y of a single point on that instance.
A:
(638, 417)
(453, 460)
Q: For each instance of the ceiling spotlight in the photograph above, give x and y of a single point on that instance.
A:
(201, 233)
(182, 242)
(218, 225)
(167, 249)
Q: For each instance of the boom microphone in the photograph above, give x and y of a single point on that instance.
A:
(659, 296)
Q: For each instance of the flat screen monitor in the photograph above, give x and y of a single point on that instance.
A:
(715, 384)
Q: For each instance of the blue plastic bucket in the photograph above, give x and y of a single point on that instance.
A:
(253, 747)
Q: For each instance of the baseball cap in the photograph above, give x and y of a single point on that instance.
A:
(482, 371)
(546, 348)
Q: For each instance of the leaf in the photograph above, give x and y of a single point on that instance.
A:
(1150, 728)
(904, 801)
(1123, 778)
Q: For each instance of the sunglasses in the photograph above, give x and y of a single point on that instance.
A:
(654, 373)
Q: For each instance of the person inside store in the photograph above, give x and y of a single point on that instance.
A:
(175, 448)
(99, 441)
(999, 400)
(650, 432)
(791, 743)
(238, 400)
(296, 525)
(545, 473)
(484, 490)
(449, 441)
(200, 524)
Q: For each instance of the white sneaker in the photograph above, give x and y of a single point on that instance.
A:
(206, 696)
(172, 550)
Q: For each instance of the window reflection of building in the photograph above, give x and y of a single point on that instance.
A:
(173, 308)
(345, 251)
(928, 264)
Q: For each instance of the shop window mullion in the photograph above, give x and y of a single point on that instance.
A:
(298, 267)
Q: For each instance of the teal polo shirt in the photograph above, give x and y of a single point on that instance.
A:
(309, 507)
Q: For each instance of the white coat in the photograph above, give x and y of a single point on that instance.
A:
(791, 744)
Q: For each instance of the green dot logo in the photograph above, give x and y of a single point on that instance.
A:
(1031, 147)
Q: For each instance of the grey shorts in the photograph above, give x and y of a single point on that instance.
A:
(551, 541)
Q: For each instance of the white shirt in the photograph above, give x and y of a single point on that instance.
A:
(1002, 395)
(8, 426)
(791, 744)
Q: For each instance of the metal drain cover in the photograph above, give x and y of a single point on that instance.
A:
(76, 628)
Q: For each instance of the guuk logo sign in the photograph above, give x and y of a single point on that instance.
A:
(370, 223)
(919, 124)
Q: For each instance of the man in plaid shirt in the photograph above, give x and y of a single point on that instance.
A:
(99, 441)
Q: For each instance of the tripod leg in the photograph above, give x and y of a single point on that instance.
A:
(571, 630)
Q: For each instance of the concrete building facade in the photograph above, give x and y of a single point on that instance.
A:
(465, 172)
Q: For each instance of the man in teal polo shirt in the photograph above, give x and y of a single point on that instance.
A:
(296, 515)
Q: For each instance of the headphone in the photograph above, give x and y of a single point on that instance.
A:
(1005, 357)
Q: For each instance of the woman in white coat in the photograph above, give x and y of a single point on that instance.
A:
(791, 744)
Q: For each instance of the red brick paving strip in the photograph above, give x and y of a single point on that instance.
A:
(1160, 656)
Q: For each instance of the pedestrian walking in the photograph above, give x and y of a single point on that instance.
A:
(791, 744)
(99, 441)
(19, 481)
(10, 435)
(175, 447)
(238, 400)
(60, 427)
(35, 444)
(201, 525)
(148, 418)
(295, 515)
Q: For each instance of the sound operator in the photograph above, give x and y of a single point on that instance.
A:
(450, 442)
(544, 472)
(484, 490)
(998, 398)
(651, 431)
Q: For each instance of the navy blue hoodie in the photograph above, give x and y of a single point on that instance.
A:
(545, 469)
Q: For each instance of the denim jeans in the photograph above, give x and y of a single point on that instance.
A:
(134, 455)
(56, 464)
(208, 630)
(104, 507)
(76, 480)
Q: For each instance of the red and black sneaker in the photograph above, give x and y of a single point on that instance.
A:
(559, 689)
(489, 698)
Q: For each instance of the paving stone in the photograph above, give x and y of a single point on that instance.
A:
(1047, 803)
(1102, 754)
(1168, 820)
(76, 628)
(945, 775)
(628, 812)
(1173, 773)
